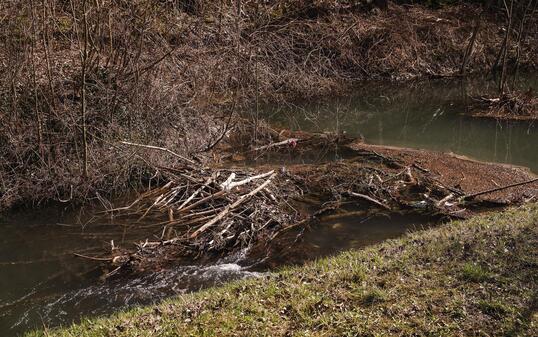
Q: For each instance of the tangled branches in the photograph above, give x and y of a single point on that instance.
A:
(211, 212)
(205, 211)
(515, 105)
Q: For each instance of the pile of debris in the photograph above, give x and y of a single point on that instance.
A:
(204, 212)
(514, 106)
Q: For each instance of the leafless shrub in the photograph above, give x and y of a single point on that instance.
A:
(170, 73)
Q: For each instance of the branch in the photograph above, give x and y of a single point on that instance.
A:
(470, 196)
(160, 149)
(229, 208)
(284, 142)
(365, 197)
(229, 185)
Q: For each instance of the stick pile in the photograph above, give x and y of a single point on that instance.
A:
(204, 211)
(213, 212)
(516, 105)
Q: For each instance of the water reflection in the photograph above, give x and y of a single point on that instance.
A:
(427, 115)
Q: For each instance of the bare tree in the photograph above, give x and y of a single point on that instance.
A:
(506, 43)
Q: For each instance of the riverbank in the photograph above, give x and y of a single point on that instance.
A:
(176, 76)
(462, 278)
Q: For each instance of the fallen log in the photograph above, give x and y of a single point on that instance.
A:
(474, 195)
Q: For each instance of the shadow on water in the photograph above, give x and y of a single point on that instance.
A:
(353, 228)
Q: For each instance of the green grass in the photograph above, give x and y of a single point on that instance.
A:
(474, 273)
(477, 277)
(494, 308)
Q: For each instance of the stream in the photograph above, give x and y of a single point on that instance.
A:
(43, 284)
(424, 115)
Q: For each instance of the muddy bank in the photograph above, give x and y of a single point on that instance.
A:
(211, 212)
(161, 74)
(451, 170)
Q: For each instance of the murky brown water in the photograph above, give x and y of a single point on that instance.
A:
(42, 282)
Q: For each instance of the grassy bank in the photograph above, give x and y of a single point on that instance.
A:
(77, 77)
(476, 277)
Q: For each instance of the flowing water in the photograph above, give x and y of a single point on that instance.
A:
(43, 284)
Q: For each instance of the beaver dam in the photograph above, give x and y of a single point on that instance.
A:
(266, 199)
(209, 212)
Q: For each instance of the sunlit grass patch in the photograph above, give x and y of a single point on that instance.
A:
(474, 273)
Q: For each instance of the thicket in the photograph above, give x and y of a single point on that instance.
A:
(78, 76)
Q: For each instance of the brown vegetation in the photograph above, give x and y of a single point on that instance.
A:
(77, 76)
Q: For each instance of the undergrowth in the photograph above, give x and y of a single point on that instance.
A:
(170, 73)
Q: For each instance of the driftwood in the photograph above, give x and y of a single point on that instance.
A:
(474, 195)
(231, 207)
(372, 200)
(195, 194)
(151, 147)
(230, 185)
(282, 143)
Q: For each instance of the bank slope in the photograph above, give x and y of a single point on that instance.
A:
(474, 277)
